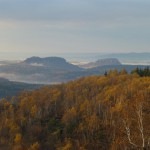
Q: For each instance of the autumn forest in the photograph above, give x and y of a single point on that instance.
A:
(108, 112)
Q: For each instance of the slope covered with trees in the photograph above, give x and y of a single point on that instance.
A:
(94, 113)
(142, 72)
(11, 88)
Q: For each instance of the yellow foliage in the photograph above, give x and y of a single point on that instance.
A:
(34, 110)
(70, 115)
(35, 146)
(117, 107)
(91, 113)
(18, 138)
(68, 146)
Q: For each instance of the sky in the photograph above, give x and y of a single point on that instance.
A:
(74, 26)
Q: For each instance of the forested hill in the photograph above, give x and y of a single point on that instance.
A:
(93, 113)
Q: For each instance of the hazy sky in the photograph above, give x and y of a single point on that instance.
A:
(53, 26)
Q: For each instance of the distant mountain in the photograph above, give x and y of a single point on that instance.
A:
(10, 88)
(53, 70)
(52, 63)
(102, 62)
(46, 60)
(38, 70)
(127, 56)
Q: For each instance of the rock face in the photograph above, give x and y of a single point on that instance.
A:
(102, 62)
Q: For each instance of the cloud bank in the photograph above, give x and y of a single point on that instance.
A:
(74, 26)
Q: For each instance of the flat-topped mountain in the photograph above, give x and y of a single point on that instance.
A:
(102, 62)
(52, 63)
(39, 70)
(46, 60)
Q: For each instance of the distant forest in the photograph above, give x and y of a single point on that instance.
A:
(142, 72)
(110, 112)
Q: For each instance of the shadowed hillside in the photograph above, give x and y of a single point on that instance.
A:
(10, 88)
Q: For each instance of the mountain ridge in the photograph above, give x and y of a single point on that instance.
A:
(52, 70)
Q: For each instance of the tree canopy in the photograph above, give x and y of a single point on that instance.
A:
(92, 113)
